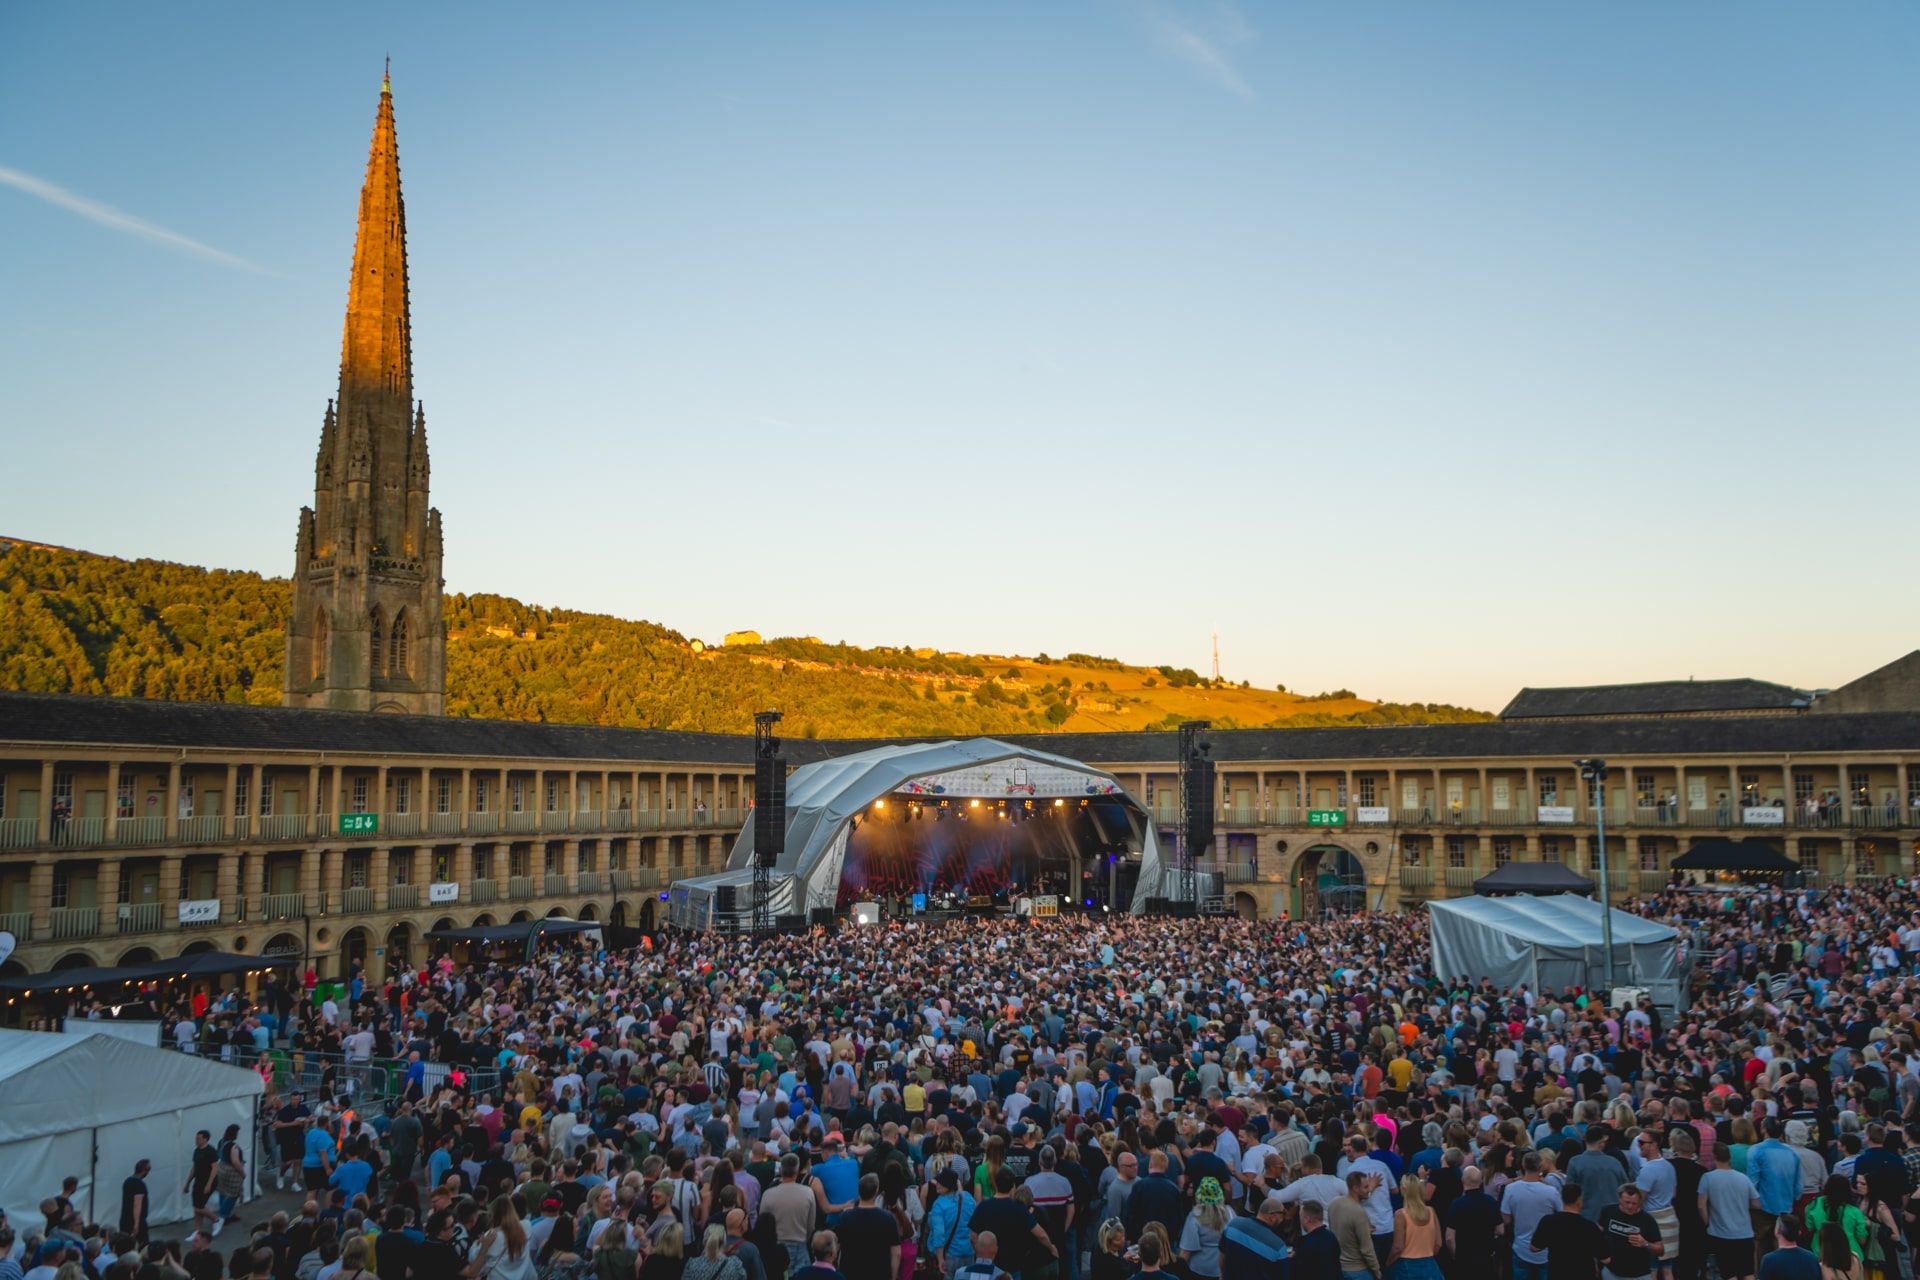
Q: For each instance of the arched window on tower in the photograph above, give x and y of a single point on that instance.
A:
(321, 640)
(377, 638)
(399, 664)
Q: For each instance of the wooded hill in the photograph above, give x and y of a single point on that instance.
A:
(72, 621)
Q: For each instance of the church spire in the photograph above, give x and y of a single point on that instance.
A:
(376, 354)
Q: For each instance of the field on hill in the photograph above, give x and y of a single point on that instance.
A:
(72, 621)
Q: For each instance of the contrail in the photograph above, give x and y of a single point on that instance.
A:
(107, 216)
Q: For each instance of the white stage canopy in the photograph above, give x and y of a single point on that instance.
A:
(824, 798)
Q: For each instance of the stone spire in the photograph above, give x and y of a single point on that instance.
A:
(376, 353)
(366, 632)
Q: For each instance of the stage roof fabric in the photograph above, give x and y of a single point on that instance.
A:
(514, 931)
(1533, 877)
(201, 964)
(823, 798)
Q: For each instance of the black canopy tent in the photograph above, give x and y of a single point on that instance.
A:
(524, 933)
(1718, 853)
(202, 964)
(1538, 878)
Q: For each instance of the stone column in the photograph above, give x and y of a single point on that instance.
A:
(107, 876)
(313, 800)
(381, 805)
(466, 801)
(501, 806)
(310, 890)
(170, 806)
(337, 798)
(114, 801)
(380, 876)
(573, 795)
(463, 865)
(227, 885)
(169, 890)
(570, 863)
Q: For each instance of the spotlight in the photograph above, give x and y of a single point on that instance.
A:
(880, 803)
(973, 804)
(1058, 803)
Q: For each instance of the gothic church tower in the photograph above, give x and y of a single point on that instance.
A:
(366, 632)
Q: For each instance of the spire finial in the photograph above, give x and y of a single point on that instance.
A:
(386, 77)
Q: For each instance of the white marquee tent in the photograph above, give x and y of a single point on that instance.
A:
(1550, 944)
(94, 1105)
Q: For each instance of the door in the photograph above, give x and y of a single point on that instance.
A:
(1322, 798)
(144, 886)
(28, 805)
(283, 877)
(93, 804)
(203, 882)
(289, 800)
(210, 802)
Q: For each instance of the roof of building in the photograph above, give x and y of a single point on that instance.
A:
(81, 720)
(1656, 698)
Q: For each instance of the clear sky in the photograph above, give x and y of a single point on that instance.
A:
(1427, 349)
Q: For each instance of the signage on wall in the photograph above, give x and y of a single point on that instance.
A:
(1372, 813)
(445, 891)
(1556, 813)
(200, 911)
(1763, 815)
(359, 824)
(1326, 817)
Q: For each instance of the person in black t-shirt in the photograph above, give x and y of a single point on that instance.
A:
(135, 1204)
(869, 1236)
(1633, 1237)
(1572, 1244)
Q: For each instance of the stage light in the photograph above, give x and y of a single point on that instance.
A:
(973, 804)
(1058, 803)
(880, 803)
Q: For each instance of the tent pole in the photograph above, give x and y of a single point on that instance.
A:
(93, 1176)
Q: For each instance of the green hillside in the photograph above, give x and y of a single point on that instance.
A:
(72, 621)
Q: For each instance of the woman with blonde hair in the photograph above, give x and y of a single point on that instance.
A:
(1416, 1234)
(668, 1257)
(1206, 1224)
(714, 1262)
(502, 1253)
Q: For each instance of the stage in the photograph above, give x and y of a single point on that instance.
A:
(954, 823)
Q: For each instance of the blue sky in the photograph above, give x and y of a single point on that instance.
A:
(1423, 349)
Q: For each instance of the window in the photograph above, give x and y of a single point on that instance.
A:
(1549, 789)
(242, 784)
(63, 792)
(1457, 851)
(1410, 851)
(122, 802)
(359, 795)
(483, 864)
(443, 795)
(553, 795)
(317, 656)
(402, 869)
(1866, 858)
(1340, 792)
(1750, 788)
(519, 795)
(357, 871)
(125, 888)
(517, 862)
(442, 865)
(553, 861)
(1643, 793)
(266, 795)
(1550, 848)
(399, 641)
(60, 887)
(403, 795)
(479, 795)
(377, 638)
(1649, 855)
(1802, 788)
(1809, 856)
(1366, 792)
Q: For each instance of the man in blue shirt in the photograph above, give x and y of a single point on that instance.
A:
(316, 1161)
(1251, 1247)
(352, 1174)
(1775, 1172)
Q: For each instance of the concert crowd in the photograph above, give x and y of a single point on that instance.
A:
(1086, 1097)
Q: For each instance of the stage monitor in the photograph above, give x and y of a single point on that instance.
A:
(866, 913)
(919, 904)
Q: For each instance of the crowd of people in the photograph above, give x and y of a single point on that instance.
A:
(1076, 1098)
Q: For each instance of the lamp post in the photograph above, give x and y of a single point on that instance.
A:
(1594, 772)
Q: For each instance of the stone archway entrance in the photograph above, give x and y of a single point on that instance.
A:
(1245, 906)
(1328, 880)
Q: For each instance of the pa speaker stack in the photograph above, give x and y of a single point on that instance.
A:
(769, 808)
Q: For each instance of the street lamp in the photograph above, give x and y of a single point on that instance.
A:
(1594, 773)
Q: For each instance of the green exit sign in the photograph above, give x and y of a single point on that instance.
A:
(1326, 817)
(359, 824)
